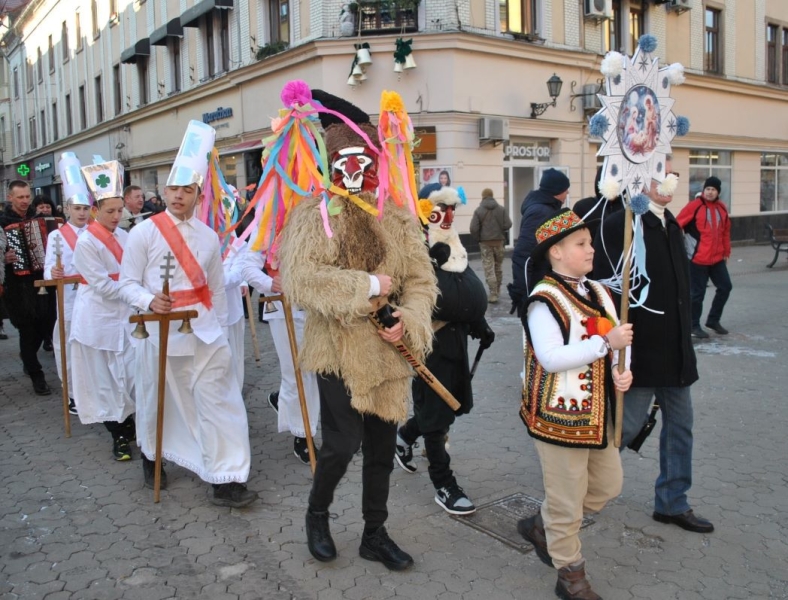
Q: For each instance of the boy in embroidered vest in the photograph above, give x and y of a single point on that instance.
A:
(78, 211)
(101, 350)
(573, 334)
(205, 424)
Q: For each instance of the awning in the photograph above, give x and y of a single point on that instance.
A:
(139, 50)
(171, 29)
(191, 16)
(242, 147)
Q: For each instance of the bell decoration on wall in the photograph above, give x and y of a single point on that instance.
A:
(403, 56)
(363, 56)
(356, 73)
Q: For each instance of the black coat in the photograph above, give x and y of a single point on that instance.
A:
(662, 352)
(461, 303)
(594, 219)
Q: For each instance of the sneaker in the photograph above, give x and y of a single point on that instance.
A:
(403, 452)
(301, 450)
(121, 449)
(149, 473)
(3, 334)
(718, 328)
(380, 547)
(234, 495)
(40, 386)
(453, 500)
(72, 407)
(273, 401)
(698, 333)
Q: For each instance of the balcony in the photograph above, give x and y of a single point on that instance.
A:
(387, 16)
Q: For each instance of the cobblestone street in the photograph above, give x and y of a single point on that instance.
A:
(75, 524)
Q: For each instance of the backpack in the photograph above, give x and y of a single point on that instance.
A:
(692, 235)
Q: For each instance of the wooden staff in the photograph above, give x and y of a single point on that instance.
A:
(624, 317)
(291, 335)
(61, 321)
(255, 346)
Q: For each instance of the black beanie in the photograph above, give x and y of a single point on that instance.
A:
(715, 183)
(554, 182)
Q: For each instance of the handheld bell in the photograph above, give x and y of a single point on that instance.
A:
(140, 332)
(42, 291)
(186, 327)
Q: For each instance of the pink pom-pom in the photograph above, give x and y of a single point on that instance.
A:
(296, 92)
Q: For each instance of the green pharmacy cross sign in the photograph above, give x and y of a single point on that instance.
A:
(23, 170)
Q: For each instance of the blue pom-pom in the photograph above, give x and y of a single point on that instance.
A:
(647, 43)
(639, 204)
(682, 126)
(598, 125)
(461, 194)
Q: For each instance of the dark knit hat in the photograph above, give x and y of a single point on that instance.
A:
(337, 134)
(554, 182)
(713, 182)
(487, 193)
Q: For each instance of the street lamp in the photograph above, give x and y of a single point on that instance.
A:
(554, 89)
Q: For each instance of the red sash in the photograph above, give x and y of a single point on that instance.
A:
(104, 235)
(69, 235)
(112, 276)
(201, 292)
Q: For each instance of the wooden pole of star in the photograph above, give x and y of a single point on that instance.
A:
(59, 284)
(164, 332)
(291, 335)
(624, 318)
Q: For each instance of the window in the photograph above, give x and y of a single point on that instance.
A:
(712, 57)
(43, 118)
(636, 23)
(518, 16)
(32, 132)
(209, 45)
(142, 75)
(772, 33)
(94, 17)
(99, 100)
(78, 32)
(29, 75)
(83, 112)
(19, 138)
(55, 131)
(704, 164)
(224, 40)
(69, 120)
(16, 83)
(175, 65)
(2, 133)
(774, 182)
(40, 65)
(378, 16)
(279, 19)
(113, 11)
(64, 39)
(785, 57)
(612, 29)
(51, 55)
(117, 89)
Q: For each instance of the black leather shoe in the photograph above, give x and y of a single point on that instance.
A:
(149, 472)
(318, 536)
(40, 386)
(718, 328)
(532, 529)
(380, 547)
(688, 520)
(233, 494)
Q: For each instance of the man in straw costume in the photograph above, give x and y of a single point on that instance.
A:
(101, 352)
(78, 212)
(205, 424)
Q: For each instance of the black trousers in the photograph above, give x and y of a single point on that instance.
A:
(439, 468)
(344, 430)
(31, 335)
(125, 429)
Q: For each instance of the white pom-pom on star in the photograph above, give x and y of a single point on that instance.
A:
(610, 188)
(669, 186)
(612, 64)
(676, 74)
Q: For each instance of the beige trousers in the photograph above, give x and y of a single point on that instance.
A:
(577, 481)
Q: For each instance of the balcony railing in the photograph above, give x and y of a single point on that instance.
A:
(386, 16)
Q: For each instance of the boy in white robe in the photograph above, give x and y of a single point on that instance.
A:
(205, 423)
(78, 211)
(101, 353)
(233, 283)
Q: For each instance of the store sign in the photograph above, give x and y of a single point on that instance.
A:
(43, 166)
(23, 170)
(217, 115)
(426, 146)
(528, 151)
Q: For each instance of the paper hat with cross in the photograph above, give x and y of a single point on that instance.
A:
(191, 164)
(104, 178)
(74, 189)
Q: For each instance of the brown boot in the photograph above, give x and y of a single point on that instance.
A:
(573, 585)
(532, 529)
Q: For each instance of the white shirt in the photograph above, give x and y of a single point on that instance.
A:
(66, 261)
(233, 280)
(100, 318)
(252, 269)
(140, 278)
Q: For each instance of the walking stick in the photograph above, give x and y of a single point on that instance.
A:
(61, 321)
(291, 336)
(624, 317)
(164, 332)
(255, 346)
(476, 360)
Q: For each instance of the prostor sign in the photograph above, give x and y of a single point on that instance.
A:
(527, 151)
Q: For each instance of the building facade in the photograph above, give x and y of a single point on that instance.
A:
(121, 78)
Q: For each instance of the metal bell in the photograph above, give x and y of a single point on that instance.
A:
(140, 332)
(410, 62)
(42, 291)
(186, 327)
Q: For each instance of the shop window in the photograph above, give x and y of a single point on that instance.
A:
(384, 17)
(774, 182)
(704, 164)
(279, 20)
(519, 16)
(713, 41)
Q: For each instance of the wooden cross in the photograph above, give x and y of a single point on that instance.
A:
(61, 320)
(164, 333)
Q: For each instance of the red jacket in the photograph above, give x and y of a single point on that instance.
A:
(709, 224)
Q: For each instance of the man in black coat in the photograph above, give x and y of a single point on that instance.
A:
(538, 205)
(663, 359)
(27, 310)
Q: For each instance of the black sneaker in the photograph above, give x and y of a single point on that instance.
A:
(301, 450)
(718, 328)
(234, 495)
(149, 473)
(72, 407)
(380, 547)
(121, 449)
(698, 333)
(273, 401)
(454, 501)
(403, 452)
(40, 386)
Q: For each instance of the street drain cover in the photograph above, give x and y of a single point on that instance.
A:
(499, 519)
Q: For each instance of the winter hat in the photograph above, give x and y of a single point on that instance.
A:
(487, 193)
(713, 182)
(559, 225)
(554, 182)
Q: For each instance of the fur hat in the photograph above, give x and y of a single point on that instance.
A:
(713, 182)
(561, 224)
(487, 193)
(337, 134)
(554, 182)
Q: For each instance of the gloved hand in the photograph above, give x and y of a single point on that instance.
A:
(482, 332)
(440, 253)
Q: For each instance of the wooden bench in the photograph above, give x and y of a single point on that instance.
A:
(779, 241)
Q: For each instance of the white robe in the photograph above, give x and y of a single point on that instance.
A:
(205, 423)
(102, 356)
(233, 280)
(69, 295)
(290, 418)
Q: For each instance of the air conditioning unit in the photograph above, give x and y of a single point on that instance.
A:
(493, 130)
(591, 102)
(679, 6)
(599, 9)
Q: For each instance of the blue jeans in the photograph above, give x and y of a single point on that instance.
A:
(675, 442)
(699, 277)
